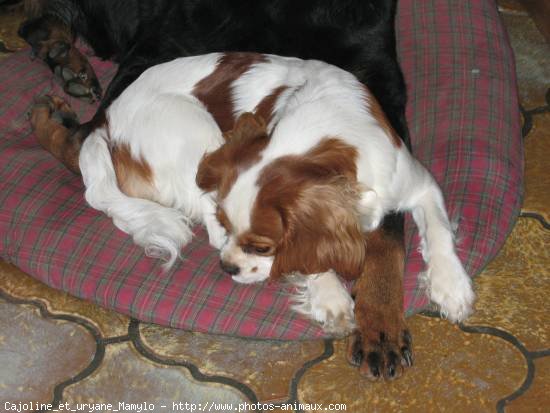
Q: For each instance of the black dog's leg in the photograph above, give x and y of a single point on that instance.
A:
(123, 78)
(389, 88)
(146, 52)
(381, 346)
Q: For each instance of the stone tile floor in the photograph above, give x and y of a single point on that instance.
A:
(58, 349)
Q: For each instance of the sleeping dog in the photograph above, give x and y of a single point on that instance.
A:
(356, 35)
(291, 165)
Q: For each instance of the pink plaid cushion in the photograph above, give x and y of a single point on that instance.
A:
(464, 123)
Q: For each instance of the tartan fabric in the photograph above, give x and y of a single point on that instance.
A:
(464, 122)
(463, 116)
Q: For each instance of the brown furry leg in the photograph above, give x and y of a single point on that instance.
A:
(76, 75)
(54, 122)
(381, 346)
(53, 42)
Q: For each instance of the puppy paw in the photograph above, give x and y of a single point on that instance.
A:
(380, 355)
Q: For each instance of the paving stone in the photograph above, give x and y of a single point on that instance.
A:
(36, 353)
(267, 367)
(453, 372)
(512, 292)
(537, 167)
(537, 397)
(129, 378)
(20, 285)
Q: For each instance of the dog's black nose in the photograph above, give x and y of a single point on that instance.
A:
(229, 268)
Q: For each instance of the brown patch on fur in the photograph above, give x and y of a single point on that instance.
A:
(330, 158)
(321, 231)
(219, 170)
(134, 177)
(266, 106)
(266, 222)
(381, 327)
(214, 91)
(62, 143)
(222, 218)
(307, 204)
(376, 110)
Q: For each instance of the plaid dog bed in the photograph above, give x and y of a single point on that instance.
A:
(464, 122)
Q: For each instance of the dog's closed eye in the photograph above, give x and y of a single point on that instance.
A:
(257, 249)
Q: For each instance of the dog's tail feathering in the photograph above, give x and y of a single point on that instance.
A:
(162, 231)
(448, 284)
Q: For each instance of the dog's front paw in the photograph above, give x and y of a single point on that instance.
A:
(335, 321)
(380, 354)
(382, 345)
(217, 235)
(450, 288)
(323, 298)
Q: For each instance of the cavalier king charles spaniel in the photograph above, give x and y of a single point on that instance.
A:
(306, 170)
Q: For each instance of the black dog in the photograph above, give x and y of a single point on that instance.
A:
(357, 35)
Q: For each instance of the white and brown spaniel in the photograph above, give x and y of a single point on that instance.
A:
(297, 194)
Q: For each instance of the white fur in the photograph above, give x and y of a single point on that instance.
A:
(164, 124)
(330, 102)
(447, 282)
(323, 298)
(253, 268)
(171, 130)
(162, 231)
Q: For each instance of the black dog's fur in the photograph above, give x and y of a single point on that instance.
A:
(357, 35)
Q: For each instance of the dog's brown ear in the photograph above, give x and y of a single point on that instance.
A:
(218, 169)
(248, 126)
(242, 147)
(322, 232)
(211, 169)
